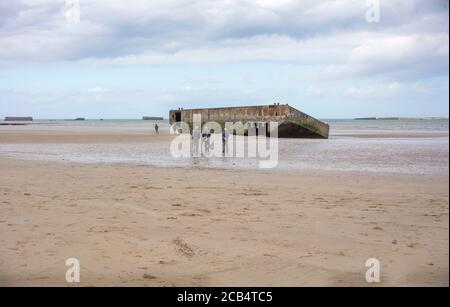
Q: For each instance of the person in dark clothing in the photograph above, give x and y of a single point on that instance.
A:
(225, 135)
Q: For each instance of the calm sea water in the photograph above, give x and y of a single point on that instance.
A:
(414, 147)
(337, 125)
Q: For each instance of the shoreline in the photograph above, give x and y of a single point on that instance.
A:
(408, 152)
(255, 171)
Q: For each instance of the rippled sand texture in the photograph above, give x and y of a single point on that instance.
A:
(139, 225)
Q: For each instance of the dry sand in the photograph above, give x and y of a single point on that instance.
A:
(141, 225)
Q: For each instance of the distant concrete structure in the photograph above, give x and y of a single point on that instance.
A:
(291, 122)
(366, 118)
(152, 118)
(18, 119)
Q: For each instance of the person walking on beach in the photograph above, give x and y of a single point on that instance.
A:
(156, 128)
(225, 135)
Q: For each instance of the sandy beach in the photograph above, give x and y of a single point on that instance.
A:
(137, 224)
(250, 144)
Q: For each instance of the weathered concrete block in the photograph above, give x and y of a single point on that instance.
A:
(292, 122)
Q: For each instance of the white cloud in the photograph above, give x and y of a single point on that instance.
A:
(384, 54)
(412, 37)
(384, 90)
(98, 90)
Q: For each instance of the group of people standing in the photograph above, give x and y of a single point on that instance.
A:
(204, 139)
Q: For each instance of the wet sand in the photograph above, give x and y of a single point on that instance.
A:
(396, 135)
(79, 138)
(173, 226)
(77, 135)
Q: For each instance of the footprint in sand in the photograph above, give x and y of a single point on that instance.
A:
(184, 248)
(165, 262)
(148, 276)
(190, 214)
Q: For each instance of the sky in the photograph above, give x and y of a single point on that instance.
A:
(128, 59)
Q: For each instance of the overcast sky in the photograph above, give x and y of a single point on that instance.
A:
(127, 59)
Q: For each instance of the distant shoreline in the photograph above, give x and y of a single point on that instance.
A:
(402, 118)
